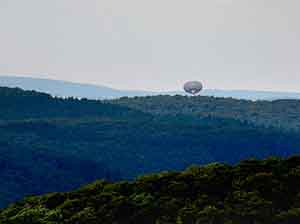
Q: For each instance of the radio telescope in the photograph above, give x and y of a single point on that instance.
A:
(193, 87)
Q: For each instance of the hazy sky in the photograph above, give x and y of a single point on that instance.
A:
(154, 44)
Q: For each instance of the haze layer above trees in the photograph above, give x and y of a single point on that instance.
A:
(69, 89)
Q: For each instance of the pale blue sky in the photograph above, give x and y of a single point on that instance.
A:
(154, 44)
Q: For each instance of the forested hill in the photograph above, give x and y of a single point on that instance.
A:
(261, 192)
(53, 144)
(17, 104)
(32, 159)
(277, 113)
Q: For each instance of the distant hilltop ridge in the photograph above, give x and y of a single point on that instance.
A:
(67, 89)
(70, 89)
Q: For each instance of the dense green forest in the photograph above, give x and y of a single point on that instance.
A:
(53, 144)
(278, 113)
(253, 191)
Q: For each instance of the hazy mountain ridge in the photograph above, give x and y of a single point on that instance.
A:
(69, 89)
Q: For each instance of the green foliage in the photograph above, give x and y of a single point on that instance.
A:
(277, 113)
(203, 194)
